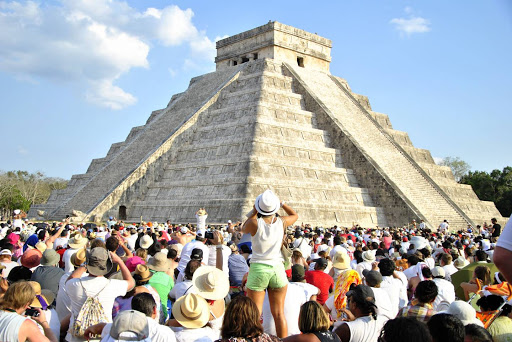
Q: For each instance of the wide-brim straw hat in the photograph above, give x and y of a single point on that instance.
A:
(368, 256)
(145, 242)
(211, 283)
(159, 263)
(41, 246)
(267, 203)
(191, 311)
(78, 258)
(143, 271)
(77, 241)
(341, 260)
(41, 295)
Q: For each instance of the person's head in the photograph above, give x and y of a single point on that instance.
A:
(142, 253)
(313, 318)
(362, 298)
(241, 319)
(387, 267)
(446, 328)
(426, 291)
(484, 274)
(446, 259)
(267, 204)
(112, 244)
(98, 261)
(336, 240)
(97, 243)
(145, 303)
(476, 333)
(320, 264)
(298, 273)
(191, 267)
(405, 329)
(494, 221)
(412, 260)
(372, 278)
(19, 273)
(481, 255)
(490, 303)
(18, 296)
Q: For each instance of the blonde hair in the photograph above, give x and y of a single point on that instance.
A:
(17, 296)
(313, 318)
(142, 253)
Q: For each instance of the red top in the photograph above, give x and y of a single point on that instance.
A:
(321, 280)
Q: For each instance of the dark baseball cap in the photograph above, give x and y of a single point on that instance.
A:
(298, 272)
(362, 291)
(321, 262)
(373, 278)
(197, 254)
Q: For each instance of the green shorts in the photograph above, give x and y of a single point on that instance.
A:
(263, 276)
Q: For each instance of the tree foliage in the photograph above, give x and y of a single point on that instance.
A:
(20, 189)
(495, 186)
(459, 167)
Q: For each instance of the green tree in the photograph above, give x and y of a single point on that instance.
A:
(459, 167)
(495, 186)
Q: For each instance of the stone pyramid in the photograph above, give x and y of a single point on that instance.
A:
(270, 116)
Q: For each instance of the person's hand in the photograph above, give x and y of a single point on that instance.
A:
(350, 315)
(115, 258)
(88, 334)
(4, 285)
(41, 318)
(375, 266)
(217, 238)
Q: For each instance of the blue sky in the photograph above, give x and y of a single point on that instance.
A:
(77, 75)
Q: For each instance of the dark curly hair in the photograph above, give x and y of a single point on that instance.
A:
(426, 291)
(405, 329)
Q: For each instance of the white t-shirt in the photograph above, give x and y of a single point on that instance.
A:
(295, 297)
(443, 227)
(395, 289)
(68, 266)
(445, 295)
(201, 221)
(187, 250)
(182, 288)
(366, 329)
(335, 250)
(450, 269)
(8, 267)
(157, 332)
(205, 334)
(60, 241)
(212, 257)
(309, 289)
(302, 243)
(383, 303)
(108, 290)
(505, 240)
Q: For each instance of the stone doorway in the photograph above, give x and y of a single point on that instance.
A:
(122, 213)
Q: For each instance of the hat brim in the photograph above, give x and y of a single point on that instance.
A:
(198, 322)
(50, 262)
(261, 211)
(158, 268)
(199, 280)
(98, 271)
(77, 245)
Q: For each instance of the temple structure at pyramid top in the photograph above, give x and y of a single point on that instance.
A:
(270, 116)
(276, 41)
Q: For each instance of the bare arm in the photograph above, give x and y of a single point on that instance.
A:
(94, 330)
(77, 273)
(29, 331)
(125, 272)
(251, 224)
(217, 241)
(292, 215)
(51, 239)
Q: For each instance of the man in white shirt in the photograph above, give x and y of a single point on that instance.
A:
(62, 240)
(445, 290)
(382, 300)
(302, 243)
(393, 284)
(443, 227)
(75, 243)
(446, 263)
(337, 241)
(99, 262)
(141, 321)
(187, 250)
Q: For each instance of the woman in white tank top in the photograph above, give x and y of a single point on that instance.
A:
(267, 265)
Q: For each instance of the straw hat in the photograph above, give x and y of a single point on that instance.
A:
(191, 311)
(31, 258)
(159, 263)
(341, 260)
(44, 297)
(211, 283)
(143, 271)
(77, 241)
(41, 246)
(78, 258)
(267, 203)
(145, 242)
(368, 256)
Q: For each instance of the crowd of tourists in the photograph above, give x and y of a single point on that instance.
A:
(266, 279)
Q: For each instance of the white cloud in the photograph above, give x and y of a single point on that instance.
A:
(438, 160)
(22, 150)
(92, 43)
(412, 24)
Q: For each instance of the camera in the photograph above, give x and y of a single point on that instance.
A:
(31, 312)
(208, 235)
